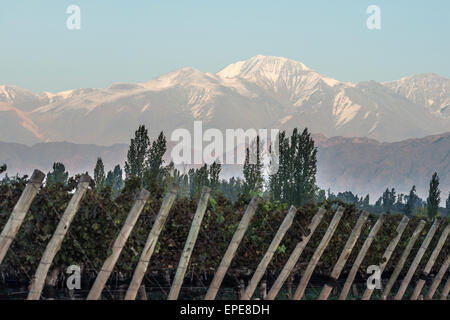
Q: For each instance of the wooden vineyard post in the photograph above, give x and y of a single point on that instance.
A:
(317, 254)
(388, 252)
(150, 245)
(295, 255)
(437, 280)
(359, 259)
(189, 245)
(119, 243)
(430, 263)
(17, 216)
(232, 248)
(446, 290)
(402, 260)
(340, 264)
(285, 225)
(55, 242)
(416, 261)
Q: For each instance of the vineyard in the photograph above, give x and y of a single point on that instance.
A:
(168, 247)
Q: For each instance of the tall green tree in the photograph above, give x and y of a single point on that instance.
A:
(2, 168)
(156, 154)
(277, 172)
(305, 169)
(192, 182)
(99, 174)
(347, 197)
(114, 180)
(321, 196)
(155, 173)
(137, 154)
(184, 186)
(412, 201)
(295, 180)
(387, 200)
(400, 205)
(232, 188)
(214, 173)
(59, 175)
(366, 201)
(447, 205)
(201, 178)
(253, 168)
(434, 197)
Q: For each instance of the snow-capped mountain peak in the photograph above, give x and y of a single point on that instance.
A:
(186, 76)
(427, 89)
(20, 98)
(268, 66)
(285, 79)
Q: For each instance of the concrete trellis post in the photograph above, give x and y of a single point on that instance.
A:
(416, 260)
(232, 248)
(359, 259)
(430, 262)
(119, 243)
(285, 225)
(190, 243)
(402, 260)
(437, 280)
(55, 242)
(152, 239)
(317, 254)
(20, 210)
(340, 264)
(388, 252)
(295, 255)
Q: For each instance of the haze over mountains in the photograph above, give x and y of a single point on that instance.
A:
(362, 165)
(262, 92)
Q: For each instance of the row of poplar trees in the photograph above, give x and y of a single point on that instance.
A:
(294, 182)
(145, 168)
(293, 177)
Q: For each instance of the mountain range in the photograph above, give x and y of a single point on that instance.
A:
(261, 92)
(390, 120)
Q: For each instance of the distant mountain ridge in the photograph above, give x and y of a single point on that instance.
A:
(428, 89)
(261, 92)
(362, 165)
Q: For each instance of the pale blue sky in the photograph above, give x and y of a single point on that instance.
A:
(137, 40)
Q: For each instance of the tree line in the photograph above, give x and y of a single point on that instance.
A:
(294, 181)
